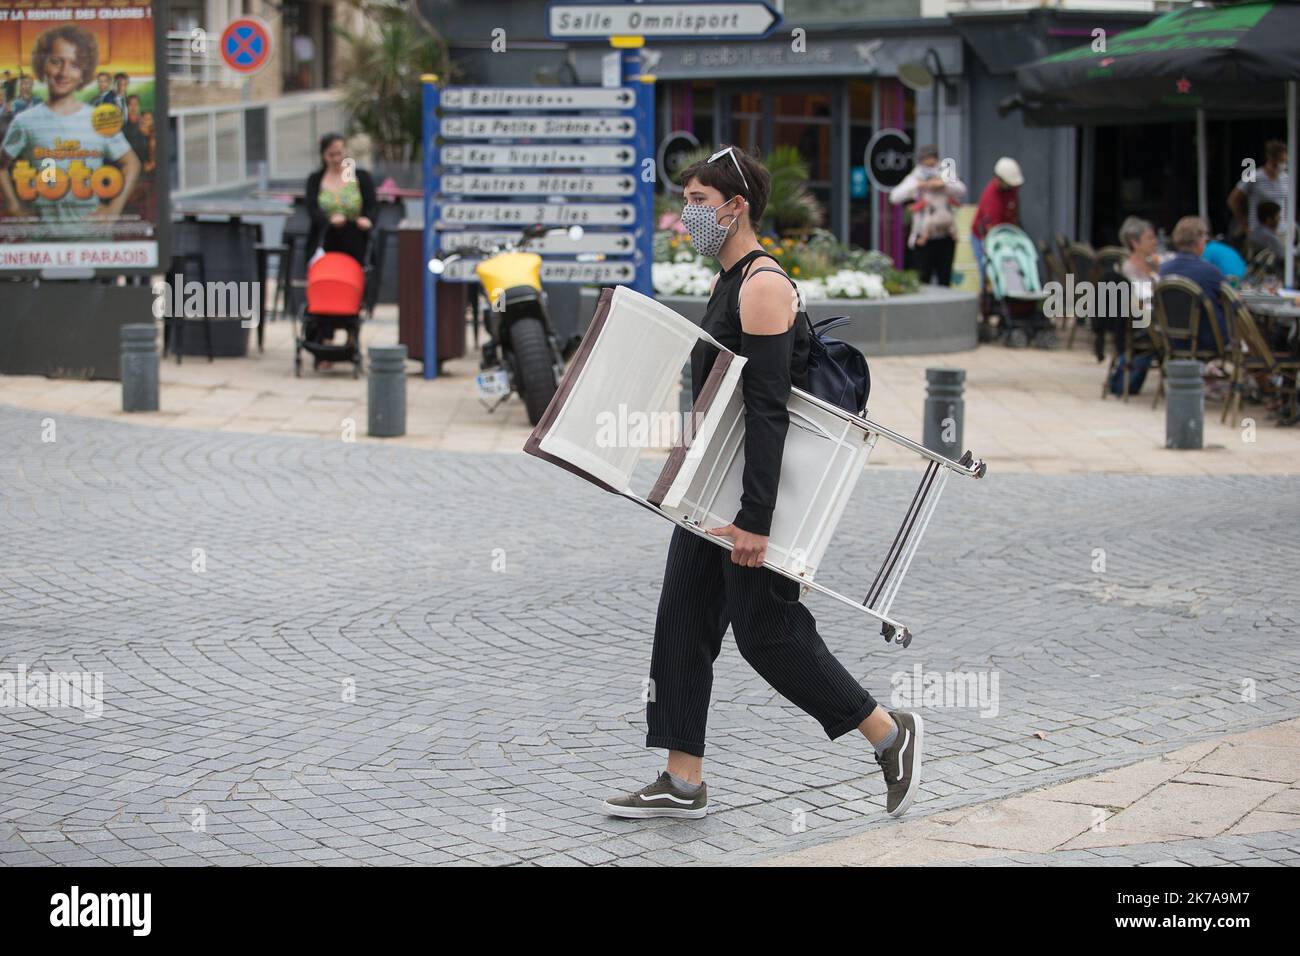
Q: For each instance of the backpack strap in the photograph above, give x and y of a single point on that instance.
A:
(745, 278)
(740, 288)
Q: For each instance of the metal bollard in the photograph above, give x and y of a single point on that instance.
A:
(944, 410)
(386, 391)
(1185, 404)
(139, 352)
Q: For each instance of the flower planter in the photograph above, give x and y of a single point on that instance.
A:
(930, 321)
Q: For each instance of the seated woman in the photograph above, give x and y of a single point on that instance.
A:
(343, 206)
(1141, 268)
(1139, 238)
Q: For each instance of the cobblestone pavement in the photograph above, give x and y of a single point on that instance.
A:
(316, 651)
(1253, 849)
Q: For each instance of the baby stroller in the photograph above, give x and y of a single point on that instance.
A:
(1011, 262)
(336, 285)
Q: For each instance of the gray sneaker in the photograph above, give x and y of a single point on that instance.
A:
(661, 799)
(901, 763)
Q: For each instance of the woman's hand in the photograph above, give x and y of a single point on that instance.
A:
(363, 222)
(338, 219)
(747, 549)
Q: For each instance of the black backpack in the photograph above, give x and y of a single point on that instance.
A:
(837, 372)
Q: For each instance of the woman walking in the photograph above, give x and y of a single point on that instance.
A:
(706, 587)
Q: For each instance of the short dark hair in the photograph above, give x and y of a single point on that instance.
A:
(83, 40)
(1274, 149)
(1267, 210)
(925, 152)
(103, 73)
(120, 76)
(722, 175)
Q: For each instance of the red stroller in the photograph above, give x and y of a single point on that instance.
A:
(336, 285)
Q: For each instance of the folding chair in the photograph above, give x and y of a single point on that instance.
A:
(627, 365)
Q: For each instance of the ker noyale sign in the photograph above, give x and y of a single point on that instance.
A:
(742, 19)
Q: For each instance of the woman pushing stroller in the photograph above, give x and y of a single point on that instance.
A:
(343, 206)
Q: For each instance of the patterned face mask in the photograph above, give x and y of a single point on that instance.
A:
(701, 221)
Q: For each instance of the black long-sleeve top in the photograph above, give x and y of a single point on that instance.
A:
(773, 364)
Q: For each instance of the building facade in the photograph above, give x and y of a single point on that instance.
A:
(832, 76)
(230, 132)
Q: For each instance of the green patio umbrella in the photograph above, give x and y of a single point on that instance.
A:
(1224, 60)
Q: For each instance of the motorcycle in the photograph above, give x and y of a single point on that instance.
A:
(521, 355)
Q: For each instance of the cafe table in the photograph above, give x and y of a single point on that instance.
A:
(219, 224)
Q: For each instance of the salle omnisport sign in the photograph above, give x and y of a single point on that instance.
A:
(78, 146)
(738, 19)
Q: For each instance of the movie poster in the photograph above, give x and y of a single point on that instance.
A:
(78, 135)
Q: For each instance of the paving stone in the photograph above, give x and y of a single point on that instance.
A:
(349, 680)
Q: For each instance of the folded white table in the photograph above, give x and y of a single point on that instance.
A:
(625, 370)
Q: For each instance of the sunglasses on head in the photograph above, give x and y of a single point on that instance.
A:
(730, 151)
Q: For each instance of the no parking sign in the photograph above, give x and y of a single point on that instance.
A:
(246, 45)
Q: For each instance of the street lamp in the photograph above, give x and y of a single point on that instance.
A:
(919, 76)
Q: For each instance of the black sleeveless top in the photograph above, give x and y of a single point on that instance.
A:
(773, 364)
(722, 321)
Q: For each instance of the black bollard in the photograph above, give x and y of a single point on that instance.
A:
(139, 353)
(944, 410)
(386, 391)
(1185, 404)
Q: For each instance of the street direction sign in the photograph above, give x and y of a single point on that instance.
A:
(537, 184)
(734, 20)
(539, 127)
(609, 243)
(553, 270)
(548, 214)
(537, 98)
(561, 156)
(498, 158)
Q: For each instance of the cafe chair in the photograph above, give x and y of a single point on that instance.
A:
(1252, 356)
(1179, 308)
(1110, 259)
(1081, 260)
(183, 264)
(1263, 264)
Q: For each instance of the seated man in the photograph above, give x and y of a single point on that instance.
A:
(1188, 240)
(1265, 235)
(1224, 258)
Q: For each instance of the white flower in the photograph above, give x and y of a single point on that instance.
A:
(681, 278)
(850, 284)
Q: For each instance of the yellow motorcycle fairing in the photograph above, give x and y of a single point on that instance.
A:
(508, 270)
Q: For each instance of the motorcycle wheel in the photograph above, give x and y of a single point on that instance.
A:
(534, 367)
